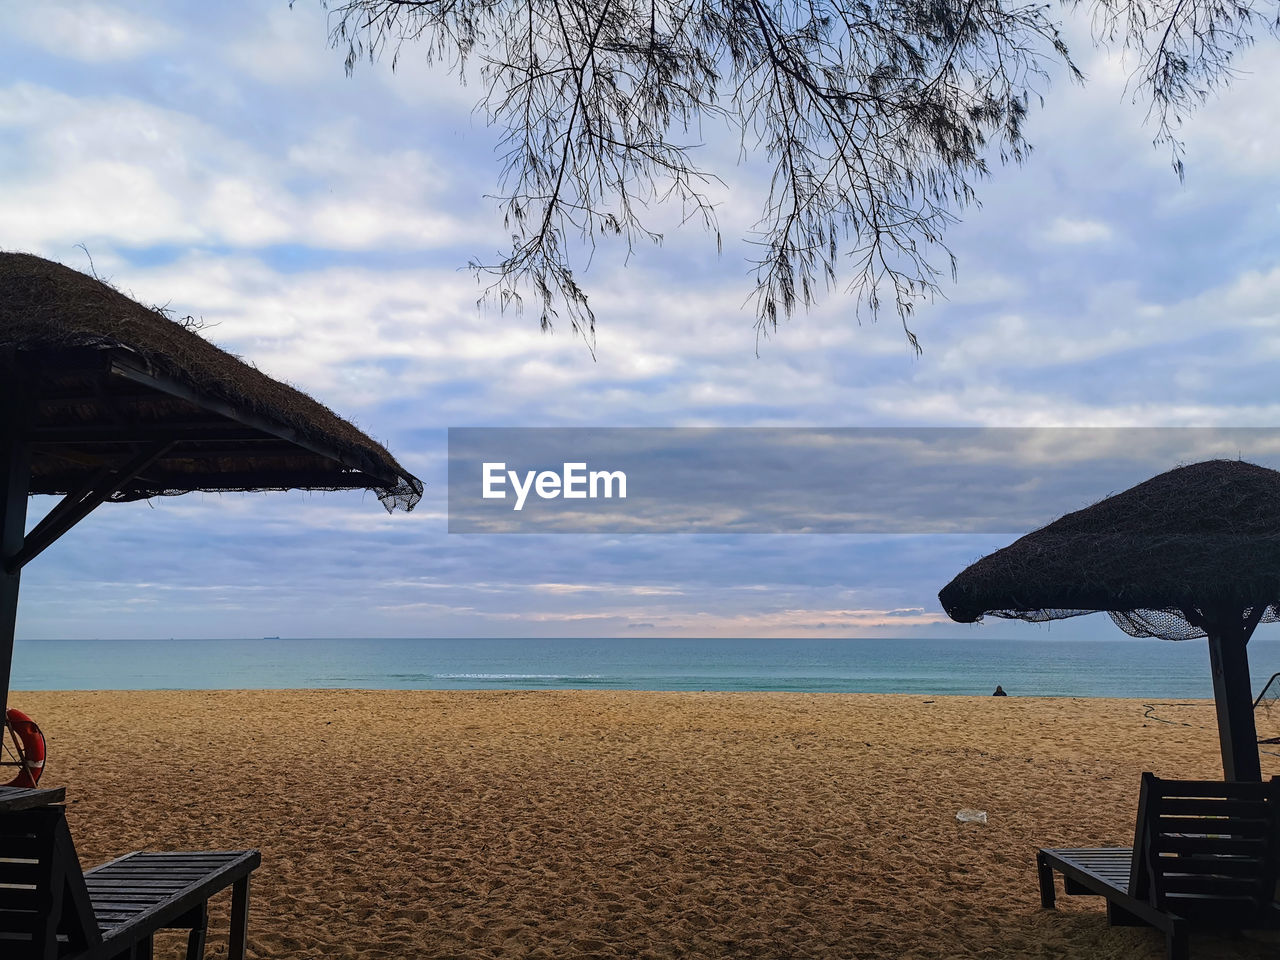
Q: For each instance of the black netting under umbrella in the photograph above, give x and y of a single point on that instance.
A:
(1194, 552)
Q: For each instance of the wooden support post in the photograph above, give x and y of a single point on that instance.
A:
(15, 480)
(199, 920)
(1233, 697)
(1048, 895)
(239, 919)
(75, 507)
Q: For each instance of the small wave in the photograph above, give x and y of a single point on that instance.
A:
(516, 676)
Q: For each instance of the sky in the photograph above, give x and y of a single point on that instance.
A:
(215, 158)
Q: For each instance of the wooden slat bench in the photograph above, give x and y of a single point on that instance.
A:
(24, 798)
(1206, 855)
(50, 910)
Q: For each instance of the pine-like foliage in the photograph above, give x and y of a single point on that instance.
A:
(877, 118)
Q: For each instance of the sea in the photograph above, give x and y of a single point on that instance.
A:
(1038, 667)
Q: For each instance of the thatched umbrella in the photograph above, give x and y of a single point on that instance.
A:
(103, 399)
(1194, 552)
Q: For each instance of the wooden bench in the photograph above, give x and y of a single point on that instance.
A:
(1206, 855)
(50, 910)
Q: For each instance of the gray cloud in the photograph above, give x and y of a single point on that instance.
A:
(320, 224)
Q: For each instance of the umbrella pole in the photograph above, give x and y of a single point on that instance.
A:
(1233, 697)
(15, 480)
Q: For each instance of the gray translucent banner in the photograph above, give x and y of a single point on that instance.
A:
(900, 480)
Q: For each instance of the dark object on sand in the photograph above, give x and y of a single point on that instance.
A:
(114, 909)
(1194, 552)
(1204, 857)
(999, 691)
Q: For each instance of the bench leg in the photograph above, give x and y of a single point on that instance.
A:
(1118, 916)
(1047, 893)
(1177, 943)
(199, 920)
(239, 919)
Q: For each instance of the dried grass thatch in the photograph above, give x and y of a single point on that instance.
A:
(96, 374)
(1197, 542)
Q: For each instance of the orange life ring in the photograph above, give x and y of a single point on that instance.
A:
(26, 732)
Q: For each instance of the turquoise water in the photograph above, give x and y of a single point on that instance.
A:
(1031, 667)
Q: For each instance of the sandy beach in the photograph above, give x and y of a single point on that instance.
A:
(620, 824)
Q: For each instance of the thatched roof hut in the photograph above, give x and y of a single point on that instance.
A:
(103, 399)
(1157, 556)
(1193, 552)
(99, 372)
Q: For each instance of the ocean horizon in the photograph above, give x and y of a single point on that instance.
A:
(1117, 667)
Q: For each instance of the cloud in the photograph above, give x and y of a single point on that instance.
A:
(114, 169)
(616, 589)
(321, 226)
(287, 46)
(808, 622)
(1067, 231)
(88, 31)
(1238, 131)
